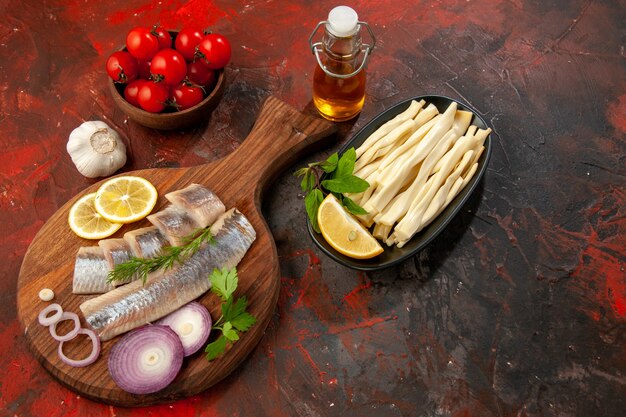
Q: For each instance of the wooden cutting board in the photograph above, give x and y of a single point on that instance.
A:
(279, 136)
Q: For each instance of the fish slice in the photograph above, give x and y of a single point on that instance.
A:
(280, 135)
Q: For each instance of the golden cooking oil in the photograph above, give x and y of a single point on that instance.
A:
(339, 78)
(338, 99)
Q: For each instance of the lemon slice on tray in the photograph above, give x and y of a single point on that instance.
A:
(87, 223)
(344, 233)
(125, 199)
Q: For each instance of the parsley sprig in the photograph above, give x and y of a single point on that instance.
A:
(341, 180)
(234, 318)
(141, 267)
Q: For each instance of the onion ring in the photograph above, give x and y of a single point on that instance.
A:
(69, 335)
(192, 324)
(95, 351)
(146, 360)
(44, 320)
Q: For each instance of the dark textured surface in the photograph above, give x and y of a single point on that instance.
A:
(517, 309)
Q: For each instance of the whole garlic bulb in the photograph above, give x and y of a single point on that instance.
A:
(96, 149)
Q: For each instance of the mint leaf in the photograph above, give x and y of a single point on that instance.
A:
(330, 164)
(216, 348)
(312, 202)
(301, 172)
(345, 166)
(229, 333)
(349, 184)
(340, 180)
(224, 282)
(308, 181)
(353, 207)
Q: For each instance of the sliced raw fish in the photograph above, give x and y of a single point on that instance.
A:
(174, 223)
(146, 242)
(91, 271)
(200, 202)
(136, 304)
(116, 251)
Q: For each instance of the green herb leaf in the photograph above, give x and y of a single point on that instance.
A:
(330, 164)
(353, 207)
(230, 309)
(312, 202)
(226, 307)
(308, 181)
(234, 316)
(216, 348)
(301, 172)
(243, 321)
(341, 180)
(224, 282)
(229, 333)
(140, 267)
(345, 166)
(349, 184)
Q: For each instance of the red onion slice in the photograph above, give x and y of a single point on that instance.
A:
(46, 320)
(95, 350)
(146, 360)
(192, 323)
(69, 335)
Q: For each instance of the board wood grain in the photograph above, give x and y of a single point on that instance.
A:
(279, 136)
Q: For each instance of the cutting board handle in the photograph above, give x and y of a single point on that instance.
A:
(280, 135)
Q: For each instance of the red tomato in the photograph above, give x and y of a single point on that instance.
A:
(131, 92)
(142, 44)
(200, 74)
(152, 97)
(214, 51)
(144, 70)
(187, 40)
(122, 67)
(168, 66)
(163, 36)
(186, 96)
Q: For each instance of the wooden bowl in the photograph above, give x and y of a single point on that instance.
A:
(170, 120)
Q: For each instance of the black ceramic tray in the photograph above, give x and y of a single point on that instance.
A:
(394, 255)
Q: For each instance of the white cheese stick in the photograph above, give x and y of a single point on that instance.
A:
(409, 113)
(385, 143)
(388, 188)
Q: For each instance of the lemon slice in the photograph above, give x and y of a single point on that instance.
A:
(344, 233)
(87, 223)
(125, 199)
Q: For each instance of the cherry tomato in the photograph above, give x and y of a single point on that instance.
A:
(144, 70)
(163, 36)
(186, 96)
(142, 44)
(168, 66)
(152, 97)
(122, 67)
(131, 91)
(200, 74)
(187, 40)
(214, 51)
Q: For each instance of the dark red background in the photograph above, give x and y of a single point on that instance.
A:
(517, 309)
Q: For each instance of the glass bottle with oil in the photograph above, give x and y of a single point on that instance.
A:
(339, 78)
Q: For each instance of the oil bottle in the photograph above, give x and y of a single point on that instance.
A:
(339, 78)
